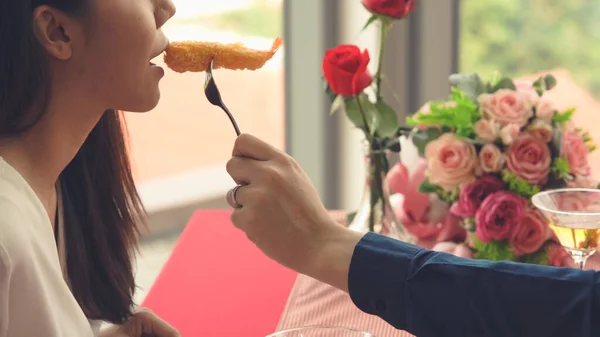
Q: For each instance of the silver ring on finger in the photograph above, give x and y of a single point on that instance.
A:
(236, 204)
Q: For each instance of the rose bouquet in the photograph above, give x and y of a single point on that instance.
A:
(487, 151)
(354, 90)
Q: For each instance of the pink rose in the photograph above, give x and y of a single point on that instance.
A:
(545, 110)
(491, 159)
(541, 130)
(530, 233)
(472, 196)
(460, 249)
(558, 256)
(498, 215)
(527, 88)
(507, 106)
(423, 215)
(529, 159)
(487, 130)
(452, 161)
(509, 133)
(576, 153)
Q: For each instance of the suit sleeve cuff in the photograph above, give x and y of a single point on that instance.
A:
(377, 276)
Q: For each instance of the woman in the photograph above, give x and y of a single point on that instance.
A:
(69, 210)
(428, 294)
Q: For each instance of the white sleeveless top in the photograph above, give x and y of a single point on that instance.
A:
(35, 299)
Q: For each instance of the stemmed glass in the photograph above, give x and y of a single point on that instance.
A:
(321, 331)
(574, 215)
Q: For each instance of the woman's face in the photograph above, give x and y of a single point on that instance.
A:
(110, 51)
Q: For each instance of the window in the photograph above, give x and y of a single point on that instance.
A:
(524, 38)
(179, 150)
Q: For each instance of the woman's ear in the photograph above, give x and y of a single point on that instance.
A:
(54, 31)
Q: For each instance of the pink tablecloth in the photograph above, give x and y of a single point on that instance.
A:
(314, 303)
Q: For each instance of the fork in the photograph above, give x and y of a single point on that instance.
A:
(214, 96)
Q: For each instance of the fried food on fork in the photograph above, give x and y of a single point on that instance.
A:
(194, 56)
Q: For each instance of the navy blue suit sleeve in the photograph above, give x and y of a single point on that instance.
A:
(431, 294)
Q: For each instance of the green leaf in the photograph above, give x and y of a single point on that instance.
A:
(448, 196)
(560, 168)
(460, 117)
(544, 83)
(428, 187)
(562, 118)
(354, 115)
(421, 138)
(387, 120)
(338, 103)
(549, 81)
(470, 84)
(375, 122)
(519, 186)
(371, 20)
(504, 83)
(493, 250)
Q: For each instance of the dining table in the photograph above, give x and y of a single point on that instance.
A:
(217, 283)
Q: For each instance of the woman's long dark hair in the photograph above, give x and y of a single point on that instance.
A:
(102, 210)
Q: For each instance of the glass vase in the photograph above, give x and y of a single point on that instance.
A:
(375, 213)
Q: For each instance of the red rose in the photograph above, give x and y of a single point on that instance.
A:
(530, 233)
(345, 69)
(397, 9)
(498, 215)
(472, 196)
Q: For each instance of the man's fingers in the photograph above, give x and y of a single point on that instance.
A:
(242, 170)
(252, 147)
(237, 196)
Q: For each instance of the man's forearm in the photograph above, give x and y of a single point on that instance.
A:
(330, 262)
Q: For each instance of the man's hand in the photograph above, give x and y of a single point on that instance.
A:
(144, 323)
(279, 209)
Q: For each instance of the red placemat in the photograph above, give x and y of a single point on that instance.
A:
(217, 283)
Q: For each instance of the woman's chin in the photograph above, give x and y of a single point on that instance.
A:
(146, 103)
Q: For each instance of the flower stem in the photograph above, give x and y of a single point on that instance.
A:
(366, 128)
(385, 26)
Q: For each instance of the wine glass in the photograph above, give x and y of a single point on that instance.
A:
(321, 331)
(574, 215)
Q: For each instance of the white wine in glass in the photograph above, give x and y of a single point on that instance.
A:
(574, 216)
(573, 238)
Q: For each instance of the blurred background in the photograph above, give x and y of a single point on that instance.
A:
(180, 149)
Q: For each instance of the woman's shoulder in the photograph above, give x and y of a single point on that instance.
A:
(11, 218)
(17, 217)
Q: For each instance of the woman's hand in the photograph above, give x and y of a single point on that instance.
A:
(281, 212)
(143, 323)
